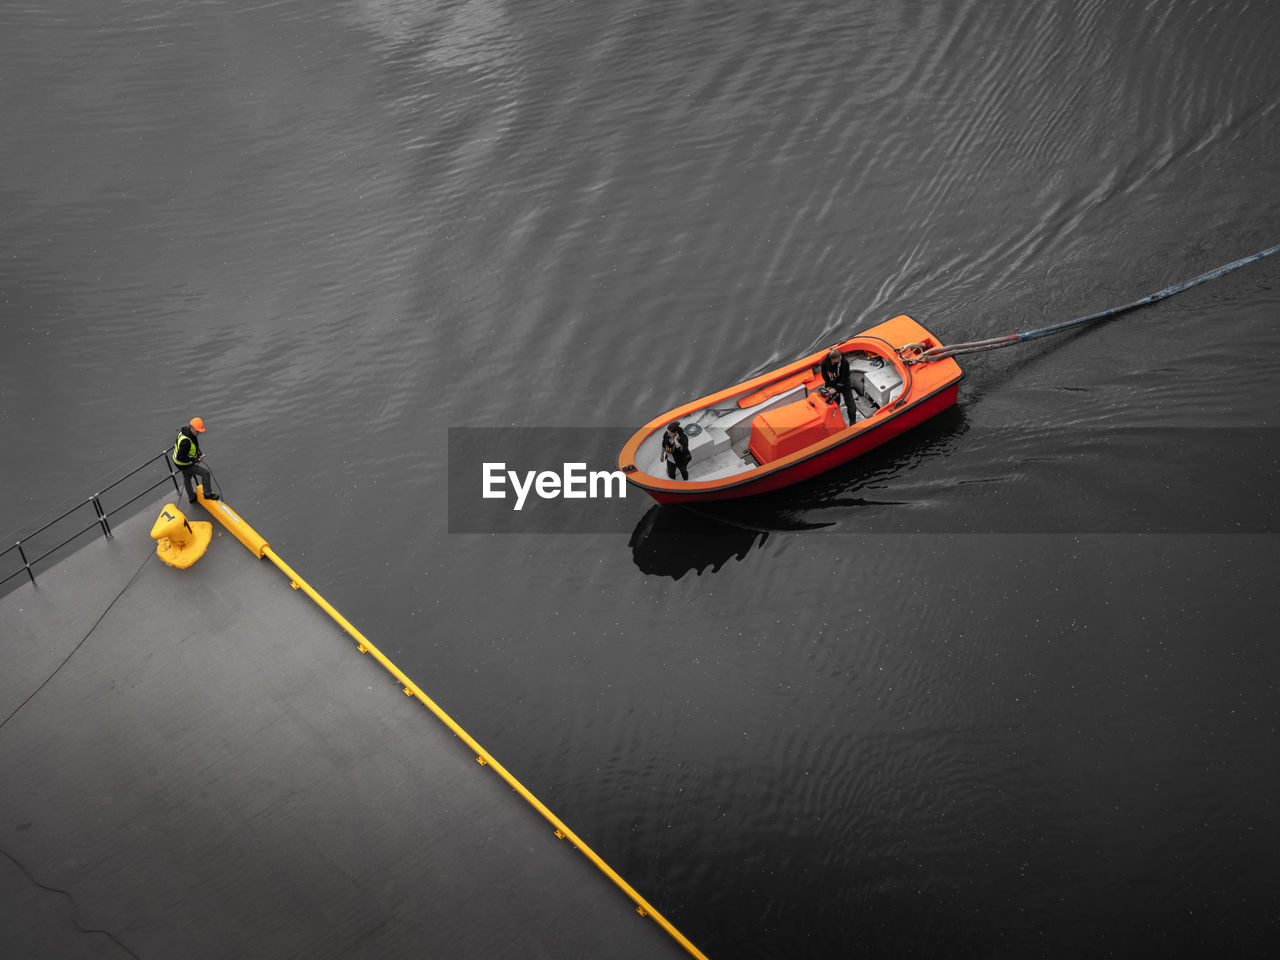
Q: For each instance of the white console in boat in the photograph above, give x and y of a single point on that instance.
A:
(880, 384)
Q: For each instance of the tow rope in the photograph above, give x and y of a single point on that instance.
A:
(916, 352)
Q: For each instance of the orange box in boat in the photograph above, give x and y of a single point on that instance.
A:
(776, 433)
(893, 389)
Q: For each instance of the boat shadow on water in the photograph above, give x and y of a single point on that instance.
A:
(675, 539)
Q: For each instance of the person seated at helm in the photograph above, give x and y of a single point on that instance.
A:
(675, 450)
(835, 375)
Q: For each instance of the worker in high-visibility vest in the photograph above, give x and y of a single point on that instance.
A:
(187, 456)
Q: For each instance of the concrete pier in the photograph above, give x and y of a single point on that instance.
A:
(199, 764)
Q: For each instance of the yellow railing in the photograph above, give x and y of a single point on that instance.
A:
(260, 548)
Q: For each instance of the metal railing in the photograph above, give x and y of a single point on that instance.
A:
(101, 517)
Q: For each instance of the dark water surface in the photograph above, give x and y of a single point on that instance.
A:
(1007, 689)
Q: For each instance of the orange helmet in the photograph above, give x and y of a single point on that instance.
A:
(197, 424)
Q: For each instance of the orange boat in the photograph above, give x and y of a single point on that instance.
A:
(777, 429)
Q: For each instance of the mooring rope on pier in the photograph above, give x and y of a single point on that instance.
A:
(916, 353)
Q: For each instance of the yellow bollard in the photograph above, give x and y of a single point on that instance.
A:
(180, 542)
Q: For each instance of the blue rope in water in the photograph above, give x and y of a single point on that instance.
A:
(937, 353)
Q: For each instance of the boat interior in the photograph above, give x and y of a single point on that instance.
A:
(746, 430)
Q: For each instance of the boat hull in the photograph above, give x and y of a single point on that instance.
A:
(822, 462)
(929, 390)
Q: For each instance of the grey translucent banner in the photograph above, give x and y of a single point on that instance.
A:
(946, 477)
(539, 480)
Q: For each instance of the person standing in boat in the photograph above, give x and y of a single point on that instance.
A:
(675, 451)
(835, 374)
(187, 456)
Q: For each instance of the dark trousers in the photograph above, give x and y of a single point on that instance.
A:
(682, 465)
(847, 393)
(192, 473)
